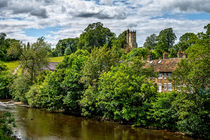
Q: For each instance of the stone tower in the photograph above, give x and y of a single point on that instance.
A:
(130, 40)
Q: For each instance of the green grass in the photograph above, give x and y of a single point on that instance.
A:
(12, 65)
(56, 59)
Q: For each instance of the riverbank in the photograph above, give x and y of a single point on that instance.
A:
(36, 124)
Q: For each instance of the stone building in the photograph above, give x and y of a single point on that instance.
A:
(164, 67)
(130, 40)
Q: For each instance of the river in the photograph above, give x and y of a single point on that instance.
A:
(35, 124)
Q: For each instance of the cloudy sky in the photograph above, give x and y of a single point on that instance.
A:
(27, 20)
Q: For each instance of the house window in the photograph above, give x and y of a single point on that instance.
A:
(165, 86)
(169, 87)
(169, 75)
(159, 87)
(160, 76)
(165, 75)
(179, 88)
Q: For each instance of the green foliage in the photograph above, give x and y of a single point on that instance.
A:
(187, 113)
(207, 27)
(61, 89)
(6, 124)
(138, 52)
(34, 57)
(10, 49)
(3, 46)
(99, 61)
(14, 50)
(166, 39)
(5, 81)
(34, 97)
(19, 87)
(124, 92)
(151, 42)
(66, 46)
(120, 41)
(95, 35)
(192, 111)
(88, 102)
(192, 74)
(161, 113)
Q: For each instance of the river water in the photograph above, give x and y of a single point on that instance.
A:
(35, 124)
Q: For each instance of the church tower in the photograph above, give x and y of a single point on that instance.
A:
(130, 40)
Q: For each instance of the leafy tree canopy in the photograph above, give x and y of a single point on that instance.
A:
(66, 46)
(95, 35)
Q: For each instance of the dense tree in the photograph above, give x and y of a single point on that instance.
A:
(166, 39)
(120, 41)
(187, 113)
(151, 42)
(161, 114)
(66, 46)
(95, 35)
(193, 73)
(14, 50)
(138, 52)
(10, 49)
(207, 27)
(192, 113)
(99, 61)
(34, 57)
(19, 87)
(185, 41)
(5, 80)
(122, 94)
(3, 46)
(61, 89)
(7, 123)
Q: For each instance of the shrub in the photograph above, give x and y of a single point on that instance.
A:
(161, 114)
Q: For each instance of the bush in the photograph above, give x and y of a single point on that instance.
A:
(5, 80)
(161, 114)
(6, 124)
(123, 94)
(192, 111)
(20, 86)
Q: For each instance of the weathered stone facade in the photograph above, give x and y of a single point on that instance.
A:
(130, 40)
(164, 67)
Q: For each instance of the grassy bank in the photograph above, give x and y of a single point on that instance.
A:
(13, 64)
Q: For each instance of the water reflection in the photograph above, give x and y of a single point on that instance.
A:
(34, 124)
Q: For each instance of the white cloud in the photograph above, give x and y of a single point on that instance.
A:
(73, 16)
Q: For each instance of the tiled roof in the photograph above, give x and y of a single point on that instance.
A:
(51, 66)
(164, 65)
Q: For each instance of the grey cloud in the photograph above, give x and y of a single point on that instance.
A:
(3, 3)
(192, 5)
(39, 13)
(33, 8)
(132, 25)
(100, 15)
(63, 9)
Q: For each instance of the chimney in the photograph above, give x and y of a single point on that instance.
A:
(179, 54)
(149, 58)
(165, 55)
